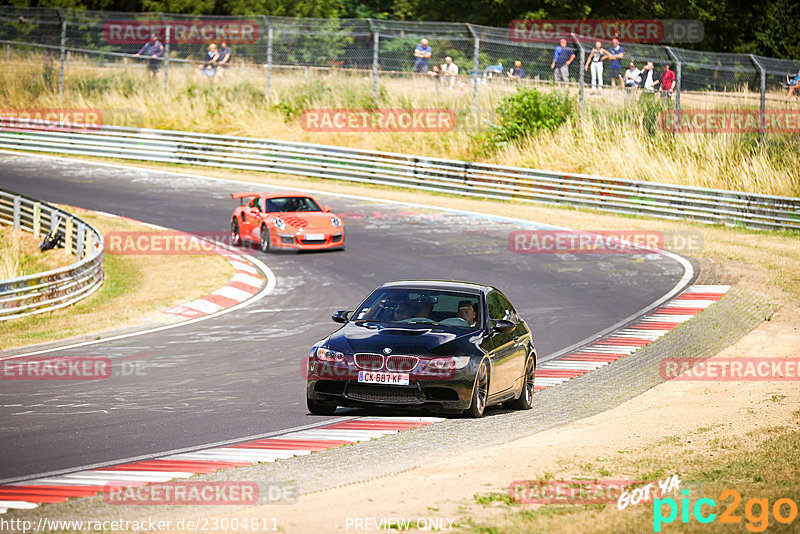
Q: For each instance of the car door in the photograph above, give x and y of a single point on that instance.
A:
(251, 221)
(505, 349)
(521, 336)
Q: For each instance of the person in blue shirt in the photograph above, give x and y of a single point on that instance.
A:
(423, 53)
(154, 49)
(517, 73)
(615, 54)
(562, 57)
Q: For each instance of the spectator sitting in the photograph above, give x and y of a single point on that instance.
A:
(491, 70)
(209, 67)
(650, 79)
(517, 73)
(449, 71)
(154, 49)
(667, 81)
(224, 57)
(562, 57)
(633, 76)
(422, 53)
(794, 85)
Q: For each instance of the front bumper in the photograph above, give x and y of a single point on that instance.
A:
(289, 240)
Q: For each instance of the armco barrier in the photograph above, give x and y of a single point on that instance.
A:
(449, 176)
(41, 292)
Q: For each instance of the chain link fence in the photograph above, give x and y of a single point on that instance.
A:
(377, 53)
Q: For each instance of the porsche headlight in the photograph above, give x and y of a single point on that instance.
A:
(279, 223)
(336, 221)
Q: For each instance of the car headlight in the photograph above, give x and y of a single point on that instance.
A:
(328, 355)
(447, 364)
(336, 221)
(279, 223)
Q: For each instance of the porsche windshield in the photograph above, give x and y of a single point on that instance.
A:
(292, 204)
(443, 308)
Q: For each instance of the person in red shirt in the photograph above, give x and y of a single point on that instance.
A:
(667, 81)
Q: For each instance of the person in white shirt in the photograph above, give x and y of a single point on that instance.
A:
(596, 57)
(633, 76)
(650, 78)
(449, 71)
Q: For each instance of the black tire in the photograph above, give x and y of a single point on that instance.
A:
(320, 408)
(236, 238)
(525, 400)
(480, 393)
(264, 240)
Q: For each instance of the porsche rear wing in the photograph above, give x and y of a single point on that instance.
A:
(240, 196)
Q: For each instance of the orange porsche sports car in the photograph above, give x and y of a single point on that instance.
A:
(285, 221)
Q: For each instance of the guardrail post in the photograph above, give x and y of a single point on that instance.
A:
(762, 115)
(37, 219)
(79, 242)
(269, 56)
(581, 80)
(16, 212)
(87, 244)
(63, 53)
(53, 218)
(678, 77)
(70, 226)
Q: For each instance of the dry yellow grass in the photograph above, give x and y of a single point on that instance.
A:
(135, 287)
(20, 254)
(604, 143)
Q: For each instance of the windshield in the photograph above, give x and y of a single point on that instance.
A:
(423, 306)
(292, 204)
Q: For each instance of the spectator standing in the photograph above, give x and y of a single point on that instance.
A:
(596, 57)
(633, 76)
(562, 57)
(667, 81)
(615, 54)
(517, 73)
(153, 49)
(422, 53)
(224, 60)
(449, 71)
(650, 79)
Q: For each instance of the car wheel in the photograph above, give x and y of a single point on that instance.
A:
(320, 408)
(525, 400)
(264, 241)
(480, 393)
(236, 238)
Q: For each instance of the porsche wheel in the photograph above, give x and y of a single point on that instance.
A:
(480, 393)
(320, 408)
(525, 400)
(264, 240)
(236, 238)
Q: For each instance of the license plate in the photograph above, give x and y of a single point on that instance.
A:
(315, 237)
(371, 377)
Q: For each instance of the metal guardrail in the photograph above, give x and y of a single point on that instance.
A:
(57, 288)
(432, 174)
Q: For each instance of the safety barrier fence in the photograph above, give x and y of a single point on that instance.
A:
(408, 171)
(57, 288)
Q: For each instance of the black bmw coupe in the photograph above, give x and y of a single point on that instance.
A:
(455, 347)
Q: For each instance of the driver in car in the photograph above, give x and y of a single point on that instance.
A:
(406, 309)
(466, 311)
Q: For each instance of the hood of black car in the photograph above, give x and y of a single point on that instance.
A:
(412, 339)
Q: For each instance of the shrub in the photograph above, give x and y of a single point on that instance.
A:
(527, 113)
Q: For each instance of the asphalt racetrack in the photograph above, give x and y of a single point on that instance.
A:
(239, 374)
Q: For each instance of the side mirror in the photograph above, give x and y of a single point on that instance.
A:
(326, 208)
(254, 211)
(341, 316)
(503, 326)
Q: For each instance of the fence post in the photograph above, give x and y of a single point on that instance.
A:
(476, 64)
(376, 47)
(37, 219)
(17, 212)
(80, 241)
(581, 77)
(269, 56)
(678, 77)
(166, 52)
(762, 116)
(68, 236)
(63, 53)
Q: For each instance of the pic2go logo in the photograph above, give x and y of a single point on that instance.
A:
(756, 511)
